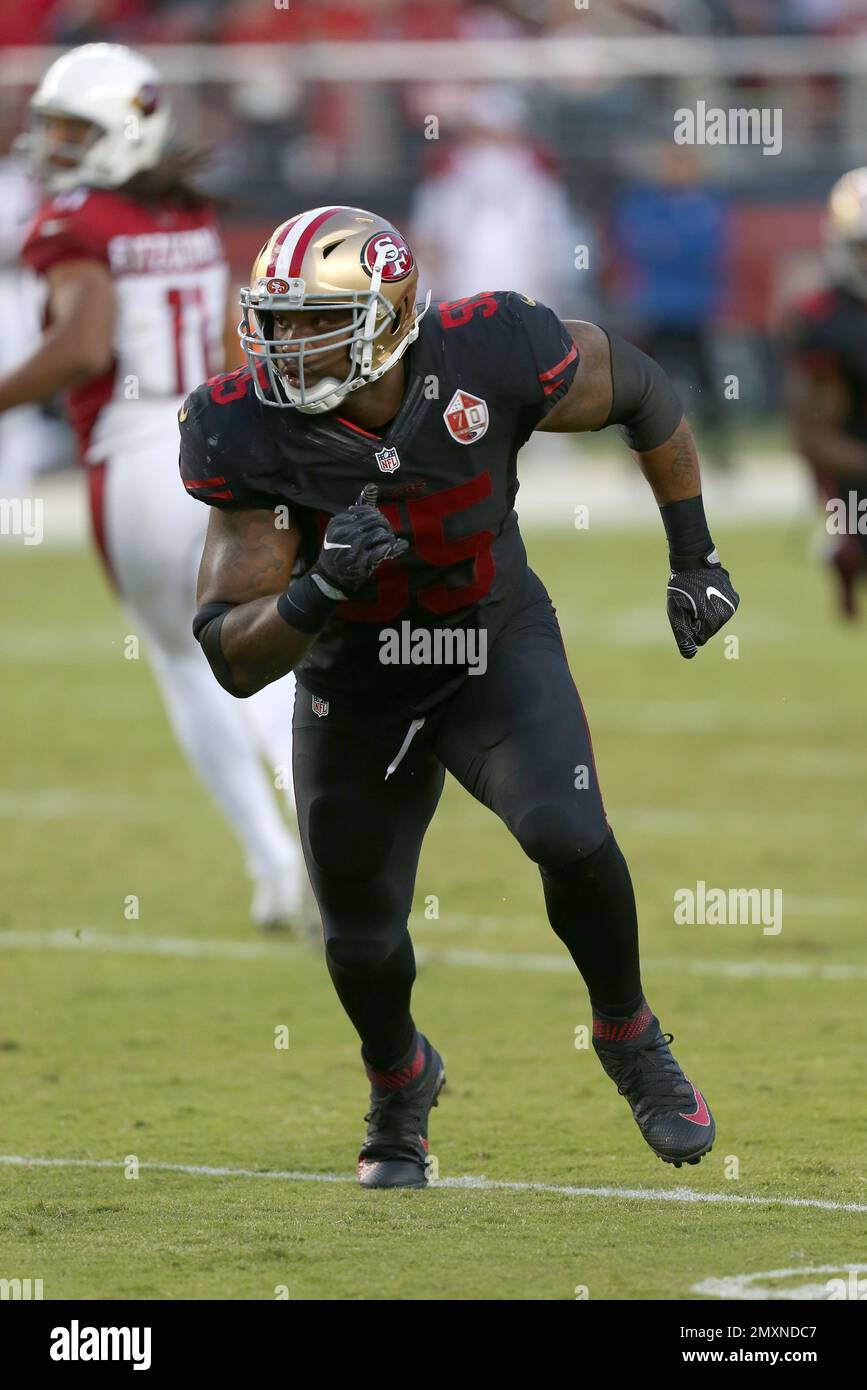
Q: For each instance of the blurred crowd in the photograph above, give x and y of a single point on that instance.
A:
(572, 191)
(250, 21)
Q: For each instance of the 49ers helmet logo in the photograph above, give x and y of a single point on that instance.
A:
(275, 286)
(466, 417)
(398, 257)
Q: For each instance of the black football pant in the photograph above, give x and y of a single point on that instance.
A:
(516, 738)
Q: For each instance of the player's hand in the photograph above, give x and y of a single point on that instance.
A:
(355, 543)
(700, 601)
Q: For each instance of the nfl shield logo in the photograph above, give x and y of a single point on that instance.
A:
(466, 417)
(388, 460)
(320, 707)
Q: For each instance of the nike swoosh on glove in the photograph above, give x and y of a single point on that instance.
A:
(699, 601)
(355, 543)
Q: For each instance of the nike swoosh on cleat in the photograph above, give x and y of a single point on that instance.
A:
(715, 593)
(702, 1114)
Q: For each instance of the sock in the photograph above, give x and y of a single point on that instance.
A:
(620, 1028)
(401, 1072)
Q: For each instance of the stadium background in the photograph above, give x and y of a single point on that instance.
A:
(149, 1040)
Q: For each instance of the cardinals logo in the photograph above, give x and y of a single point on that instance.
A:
(466, 417)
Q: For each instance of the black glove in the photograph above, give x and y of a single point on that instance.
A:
(700, 599)
(355, 542)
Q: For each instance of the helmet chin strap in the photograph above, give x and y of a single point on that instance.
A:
(323, 397)
(329, 393)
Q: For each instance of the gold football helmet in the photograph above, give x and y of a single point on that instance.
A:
(327, 260)
(846, 231)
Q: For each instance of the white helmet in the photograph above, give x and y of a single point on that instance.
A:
(846, 232)
(118, 91)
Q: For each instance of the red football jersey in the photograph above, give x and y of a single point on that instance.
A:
(170, 277)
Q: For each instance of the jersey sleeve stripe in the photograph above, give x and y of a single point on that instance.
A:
(552, 387)
(561, 366)
(190, 483)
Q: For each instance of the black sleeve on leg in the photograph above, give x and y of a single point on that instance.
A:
(206, 630)
(645, 404)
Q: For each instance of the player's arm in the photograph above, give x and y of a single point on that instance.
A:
(818, 405)
(254, 621)
(617, 384)
(78, 343)
(246, 564)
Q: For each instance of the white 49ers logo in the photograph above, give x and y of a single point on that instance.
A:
(466, 417)
(397, 257)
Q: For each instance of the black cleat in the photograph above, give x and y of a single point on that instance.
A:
(671, 1113)
(394, 1154)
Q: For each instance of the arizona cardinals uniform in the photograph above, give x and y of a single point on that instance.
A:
(170, 281)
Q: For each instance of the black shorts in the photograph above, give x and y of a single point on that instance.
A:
(515, 737)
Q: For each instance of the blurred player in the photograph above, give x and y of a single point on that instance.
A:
(354, 397)
(29, 441)
(826, 341)
(137, 281)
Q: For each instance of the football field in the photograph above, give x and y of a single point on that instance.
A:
(157, 1144)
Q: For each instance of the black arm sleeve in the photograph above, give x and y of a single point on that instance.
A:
(645, 404)
(206, 630)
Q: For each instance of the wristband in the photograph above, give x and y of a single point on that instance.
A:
(689, 540)
(308, 603)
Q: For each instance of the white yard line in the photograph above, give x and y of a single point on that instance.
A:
(631, 1194)
(195, 948)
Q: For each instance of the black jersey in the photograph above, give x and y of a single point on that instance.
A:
(827, 333)
(481, 375)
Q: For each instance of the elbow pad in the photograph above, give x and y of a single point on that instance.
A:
(206, 630)
(645, 404)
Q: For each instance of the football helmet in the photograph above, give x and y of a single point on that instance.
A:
(118, 92)
(327, 260)
(846, 232)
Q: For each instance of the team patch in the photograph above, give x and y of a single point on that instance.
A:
(388, 460)
(466, 417)
(398, 257)
(319, 706)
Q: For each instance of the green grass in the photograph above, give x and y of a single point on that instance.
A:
(744, 773)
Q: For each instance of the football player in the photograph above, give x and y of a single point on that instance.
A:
(137, 280)
(361, 472)
(826, 342)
